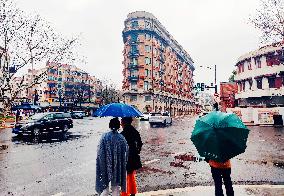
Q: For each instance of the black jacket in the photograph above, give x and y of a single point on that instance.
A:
(134, 142)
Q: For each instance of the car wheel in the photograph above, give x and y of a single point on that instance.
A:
(165, 123)
(36, 132)
(20, 135)
(65, 129)
(151, 125)
(36, 135)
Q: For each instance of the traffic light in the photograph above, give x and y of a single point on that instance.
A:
(202, 86)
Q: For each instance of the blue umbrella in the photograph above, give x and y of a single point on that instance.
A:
(118, 110)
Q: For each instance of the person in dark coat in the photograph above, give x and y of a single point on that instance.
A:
(134, 142)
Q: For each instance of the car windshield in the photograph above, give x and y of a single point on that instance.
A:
(37, 116)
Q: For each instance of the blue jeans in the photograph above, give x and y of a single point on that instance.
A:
(218, 175)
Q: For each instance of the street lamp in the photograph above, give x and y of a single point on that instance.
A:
(215, 79)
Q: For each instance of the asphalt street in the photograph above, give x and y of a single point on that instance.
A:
(66, 165)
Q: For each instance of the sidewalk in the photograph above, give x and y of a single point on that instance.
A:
(242, 190)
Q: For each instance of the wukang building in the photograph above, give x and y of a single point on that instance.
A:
(157, 70)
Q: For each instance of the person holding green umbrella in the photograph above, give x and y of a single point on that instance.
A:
(219, 137)
(219, 171)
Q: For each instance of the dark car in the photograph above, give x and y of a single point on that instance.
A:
(78, 114)
(49, 122)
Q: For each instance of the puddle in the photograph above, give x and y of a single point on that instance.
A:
(279, 164)
(50, 138)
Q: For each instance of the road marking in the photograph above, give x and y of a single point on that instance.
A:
(152, 161)
(58, 194)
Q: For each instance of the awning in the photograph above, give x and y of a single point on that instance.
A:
(270, 75)
(260, 76)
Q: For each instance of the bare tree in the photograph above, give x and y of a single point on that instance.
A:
(27, 40)
(109, 92)
(269, 19)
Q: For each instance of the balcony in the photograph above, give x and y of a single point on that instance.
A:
(133, 78)
(133, 53)
(133, 66)
(162, 59)
(259, 72)
(260, 93)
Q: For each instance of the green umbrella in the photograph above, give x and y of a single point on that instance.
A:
(219, 136)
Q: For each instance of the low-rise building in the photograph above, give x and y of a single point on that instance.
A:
(227, 95)
(260, 77)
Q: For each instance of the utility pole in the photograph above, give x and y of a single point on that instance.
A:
(215, 71)
(215, 74)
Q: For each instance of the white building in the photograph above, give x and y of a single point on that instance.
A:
(260, 77)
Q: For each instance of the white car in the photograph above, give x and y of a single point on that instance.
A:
(145, 116)
(158, 118)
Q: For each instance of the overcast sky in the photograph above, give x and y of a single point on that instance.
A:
(212, 32)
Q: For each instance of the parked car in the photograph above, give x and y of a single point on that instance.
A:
(78, 114)
(159, 118)
(145, 116)
(49, 122)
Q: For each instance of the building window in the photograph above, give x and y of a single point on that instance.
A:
(133, 98)
(156, 64)
(134, 38)
(259, 83)
(249, 65)
(147, 61)
(147, 72)
(147, 24)
(134, 24)
(148, 98)
(250, 84)
(134, 61)
(134, 49)
(146, 85)
(147, 36)
(278, 82)
(257, 62)
(133, 73)
(133, 85)
(148, 48)
(271, 82)
(155, 51)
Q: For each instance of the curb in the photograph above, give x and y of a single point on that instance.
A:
(209, 190)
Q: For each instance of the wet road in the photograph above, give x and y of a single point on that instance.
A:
(66, 166)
